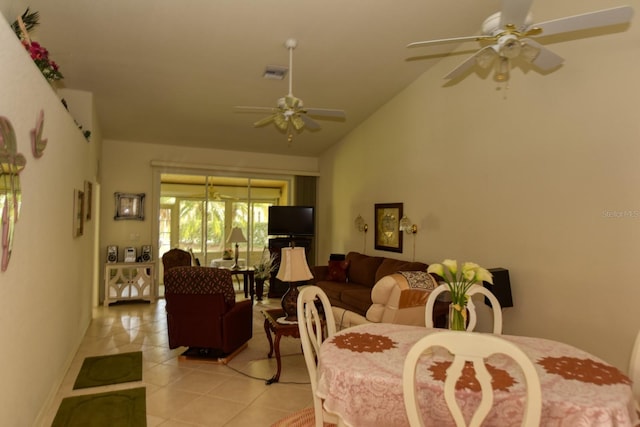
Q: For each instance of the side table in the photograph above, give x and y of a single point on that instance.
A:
(271, 325)
(248, 274)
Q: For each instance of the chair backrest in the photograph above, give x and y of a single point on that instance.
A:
(175, 258)
(310, 325)
(199, 281)
(470, 347)
(473, 317)
(634, 370)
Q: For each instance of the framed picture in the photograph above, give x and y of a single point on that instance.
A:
(129, 206)
(387, 223)
(88, 199)
(78, 213)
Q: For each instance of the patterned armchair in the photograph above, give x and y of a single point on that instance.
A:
(202, 312)
(175, 258)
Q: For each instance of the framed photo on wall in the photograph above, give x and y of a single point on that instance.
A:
(78, 213)
(129, 206)
(88, 199)
(387, 223)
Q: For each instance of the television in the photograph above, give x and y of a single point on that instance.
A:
(291, 221)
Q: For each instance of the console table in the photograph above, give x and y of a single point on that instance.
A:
(129, 281)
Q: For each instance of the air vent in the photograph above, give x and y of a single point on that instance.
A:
(275, 72)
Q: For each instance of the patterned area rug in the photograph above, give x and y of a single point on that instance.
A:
(122, 408)
(111, 369)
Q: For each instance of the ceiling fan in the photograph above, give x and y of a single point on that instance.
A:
(509, 33)
(290, 113)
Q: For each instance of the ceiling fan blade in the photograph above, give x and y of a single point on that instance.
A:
(450, 40)
(326, 112)
(264, 121)
(309, 123)
(514, 12)
(600, 18)
(480, 57)
(544, 59)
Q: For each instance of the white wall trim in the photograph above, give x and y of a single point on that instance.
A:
(218, 168)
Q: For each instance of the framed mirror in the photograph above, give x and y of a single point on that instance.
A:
(129, 206)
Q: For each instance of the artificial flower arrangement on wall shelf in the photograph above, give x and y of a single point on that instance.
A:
(21, 27)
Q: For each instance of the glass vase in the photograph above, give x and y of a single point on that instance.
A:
(457, 317)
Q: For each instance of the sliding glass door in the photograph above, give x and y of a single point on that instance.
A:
(198, 212)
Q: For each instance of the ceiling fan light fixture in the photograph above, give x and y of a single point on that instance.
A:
(529, 53)
(509, 46)
(486, 58)
(281, 122)
(502, 70)
(297, 122)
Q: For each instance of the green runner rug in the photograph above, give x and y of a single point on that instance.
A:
(111, 369)
(122, 408)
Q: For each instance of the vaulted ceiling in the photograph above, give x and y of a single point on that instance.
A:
(171, 72)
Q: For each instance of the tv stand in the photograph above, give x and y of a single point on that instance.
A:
(277, 288)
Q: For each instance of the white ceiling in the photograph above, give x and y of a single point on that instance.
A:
(166, 71)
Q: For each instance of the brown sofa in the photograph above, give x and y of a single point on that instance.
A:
(361, 272)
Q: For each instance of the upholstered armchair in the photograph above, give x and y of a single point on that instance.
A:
(175, 258)
(202, 312)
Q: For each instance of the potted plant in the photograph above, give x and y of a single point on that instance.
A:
(262, 271)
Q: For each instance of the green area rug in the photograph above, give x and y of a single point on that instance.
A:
(122, 408)
(111, 369)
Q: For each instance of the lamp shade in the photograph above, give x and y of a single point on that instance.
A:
(236, 236)
(293, 265)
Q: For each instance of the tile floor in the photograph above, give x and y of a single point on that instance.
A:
(192, 393)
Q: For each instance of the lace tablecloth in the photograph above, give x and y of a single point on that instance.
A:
(360, 379)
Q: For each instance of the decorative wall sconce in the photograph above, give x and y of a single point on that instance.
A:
(409, 228)
(362, 227)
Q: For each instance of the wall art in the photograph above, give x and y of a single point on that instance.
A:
(387, 233)
(129, 206)
(78, 213)
(11, 164)
(37, 143)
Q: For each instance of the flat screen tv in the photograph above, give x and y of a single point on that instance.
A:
(291, 221)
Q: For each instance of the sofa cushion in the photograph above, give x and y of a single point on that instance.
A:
(357, 297)
(332, 289)
(337, 271)
(391, 266)
(362, 268)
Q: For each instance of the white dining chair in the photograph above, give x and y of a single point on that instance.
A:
(470, 347)
(312, 332)
(634, 371)
(473, 317)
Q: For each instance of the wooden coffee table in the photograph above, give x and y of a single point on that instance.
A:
(271, 325)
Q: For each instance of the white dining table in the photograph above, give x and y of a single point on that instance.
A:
(360, 379)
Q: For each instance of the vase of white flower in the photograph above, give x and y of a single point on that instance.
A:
(459, 281)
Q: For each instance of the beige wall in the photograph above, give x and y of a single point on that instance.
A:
(46, 291)
(127, 167)
(523, 177)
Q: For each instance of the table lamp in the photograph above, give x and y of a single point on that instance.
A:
(293, 269)
(236, 237)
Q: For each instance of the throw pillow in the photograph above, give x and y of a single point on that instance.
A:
(420, 280)
(338, 271)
